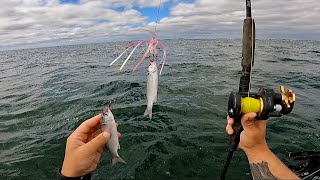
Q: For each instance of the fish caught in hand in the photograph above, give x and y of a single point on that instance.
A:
(152, 87)
(108, 124)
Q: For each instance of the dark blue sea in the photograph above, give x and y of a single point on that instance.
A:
(45, 93)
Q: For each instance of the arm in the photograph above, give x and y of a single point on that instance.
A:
(263, 163)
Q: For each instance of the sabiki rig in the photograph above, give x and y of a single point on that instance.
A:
(152, 70)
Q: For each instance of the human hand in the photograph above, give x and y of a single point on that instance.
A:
(253, 136)
(84, 147)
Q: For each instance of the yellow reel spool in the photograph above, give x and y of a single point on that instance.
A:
(251, 105)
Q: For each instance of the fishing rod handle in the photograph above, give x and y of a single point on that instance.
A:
(235, 137)
(248, 44)
(233, 145)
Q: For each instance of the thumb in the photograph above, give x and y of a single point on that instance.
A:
(247, 120)
(97, 142)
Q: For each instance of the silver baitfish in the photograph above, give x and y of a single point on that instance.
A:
(108, 124)
(152, 87)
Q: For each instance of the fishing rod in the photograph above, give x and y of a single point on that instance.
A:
(266, 103)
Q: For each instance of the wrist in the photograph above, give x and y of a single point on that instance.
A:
(61, 176)
(258, 152)
(67, 172)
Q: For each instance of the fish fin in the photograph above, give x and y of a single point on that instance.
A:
(119, 147)
(116, 160)
(148, 112)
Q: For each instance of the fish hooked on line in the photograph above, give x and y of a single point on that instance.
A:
(151, 51)
(152, 87)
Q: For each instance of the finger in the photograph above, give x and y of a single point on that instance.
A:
(89, 124)
(230, 121)
(95, 129)
(95, 134)
(247, 120)
(100, 150)
(95, 144)
(229, 128)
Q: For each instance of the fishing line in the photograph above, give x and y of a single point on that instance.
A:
(252, 51)
(155, 28)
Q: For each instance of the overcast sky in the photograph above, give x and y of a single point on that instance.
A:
(59, 22)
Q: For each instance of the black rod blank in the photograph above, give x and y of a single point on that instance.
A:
(248, 5)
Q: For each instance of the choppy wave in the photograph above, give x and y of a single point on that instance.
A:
(46, 93)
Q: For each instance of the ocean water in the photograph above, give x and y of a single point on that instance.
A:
(46, 93)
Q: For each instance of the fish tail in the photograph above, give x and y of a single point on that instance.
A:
(118, 159)
(148, 112)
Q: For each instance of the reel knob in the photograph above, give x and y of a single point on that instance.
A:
(288, 99)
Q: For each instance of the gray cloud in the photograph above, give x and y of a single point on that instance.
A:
(292, 19)
(45, 21)
(30, 21)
